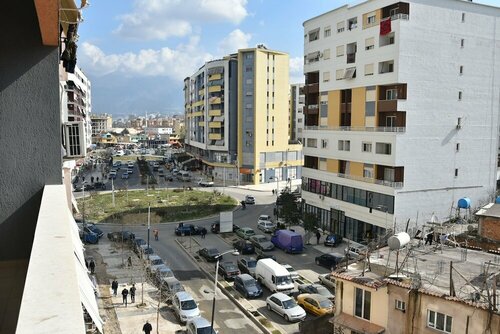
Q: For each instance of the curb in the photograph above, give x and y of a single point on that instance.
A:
(225, 292)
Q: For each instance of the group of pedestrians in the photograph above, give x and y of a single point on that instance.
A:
(125, 292)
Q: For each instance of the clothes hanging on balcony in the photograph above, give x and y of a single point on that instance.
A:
(385, 26)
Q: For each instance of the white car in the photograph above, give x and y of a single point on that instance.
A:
(285, 306)
(327, 280)
(185, 308)
(265, 224)
(293, 273)
(249, 199)
(199, 325)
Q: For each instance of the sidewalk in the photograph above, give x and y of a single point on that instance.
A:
(128, 319)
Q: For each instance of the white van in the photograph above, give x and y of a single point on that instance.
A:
(184, 176)
(274, 276)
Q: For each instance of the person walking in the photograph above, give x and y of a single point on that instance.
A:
(428, 238)
(114, 286)
(203, 233)
(147, 328)
(132, 294)
(318, 236)
(124, 295)
(92, 266)
(129, 261)
(156, 232)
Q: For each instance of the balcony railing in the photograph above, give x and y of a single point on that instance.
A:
(392, 184)
(400, 16)
(395, 129)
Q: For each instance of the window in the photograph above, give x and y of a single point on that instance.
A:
(400, 305)
(369, 69)
(383, 148)
(312, 142)
(340, 26)
(457, 148)
(368, 171)
(326, 76)
(370, 19)
(459, 95)
(369, 43)
(340, 51)
(249, 56)
(326, 54)
(249, 81)
(248, 69)
(324, 143)
(350, 73)
(249, 93)
(344, 145)
(461, 69)
(391, 94)
(386, 66)
(328, 31)
(439, 321)
(352, 23)
(456, 172)
(362, 303)
(366, 147)
(339, 74)
(463, 17)
(462, 43)
(314, 35)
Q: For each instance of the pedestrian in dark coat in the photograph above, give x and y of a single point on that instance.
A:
(318, 236)
(114, 286)
(132, 293)
(92, 266)
(203, 233)
(147, 328)
(125, 294)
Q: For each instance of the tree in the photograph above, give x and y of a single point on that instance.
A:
(288, 209)
(310, 222)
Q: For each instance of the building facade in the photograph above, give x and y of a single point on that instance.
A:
(401, 115)
(100, 124)
(297, 101)
(232, 107)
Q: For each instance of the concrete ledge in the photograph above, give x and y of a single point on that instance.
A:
(228, 294)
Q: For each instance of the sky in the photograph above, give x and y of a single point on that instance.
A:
(138, 52)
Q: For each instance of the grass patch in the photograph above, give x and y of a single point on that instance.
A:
(166, 206)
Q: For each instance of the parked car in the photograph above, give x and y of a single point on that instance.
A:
(96, 230)
(205, 183)
(315, 304)
(289, 241)
(293, 273)
(146, 251)
(315, 289)
(154, 262)
(247, 265)
(333, 240)
(88, 237)
(185, 307)
(169, 177)
(261, 242)
(228, 270)
(244, 247)
(162, 272)
(121, 236)
(130, 165)
(210, 254)
(329, 260)
(130, 171)
(125, 175)
(170, 286)
(199, 325)
(285, 306)
(188, 229)
(265, 224)
(137, 245)
(327, 280)
(247, 286)
(261, 255)
(249, 199)
(245, 232)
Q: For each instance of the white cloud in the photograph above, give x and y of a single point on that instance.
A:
(175, 63)
(236, 39)
(296, 70)
(160, 19)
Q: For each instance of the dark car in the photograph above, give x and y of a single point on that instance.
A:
(261, 242)
(88, 237)
(315, 289)
(188, 229)
(333, 240)
(261, 255)
(121, 236)
(96, 230)
(330, 260)
(228, 270)
(247, 265)
(247, 286)
(145, 251)
(210, 254)
(137, 244)
(79, 188)
(216, 228)
(99, 185)
(244, 247)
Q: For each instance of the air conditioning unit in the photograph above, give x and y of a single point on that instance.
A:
(74, 139)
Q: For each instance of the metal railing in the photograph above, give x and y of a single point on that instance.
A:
(392, 184)
(396, 129)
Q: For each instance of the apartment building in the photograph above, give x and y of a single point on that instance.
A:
(237, 118)
(101, 123)
(45, 287)
(297, 101)
(401, 114)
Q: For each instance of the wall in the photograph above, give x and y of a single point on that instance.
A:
(29, 126)
(489, 227)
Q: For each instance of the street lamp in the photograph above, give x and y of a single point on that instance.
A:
(234, 252)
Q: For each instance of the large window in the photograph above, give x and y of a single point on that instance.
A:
(344, 145)
(439, 321)
(363, 303)
(383, 148)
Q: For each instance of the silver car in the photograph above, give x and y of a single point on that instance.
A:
(261, 242)
(285, 306)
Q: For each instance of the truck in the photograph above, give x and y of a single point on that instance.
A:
(289, 241)
(274, 276)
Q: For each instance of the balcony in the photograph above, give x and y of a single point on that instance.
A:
(397, 11)
(201, 92)
(201, 123)
(214, 112)
(387, 105)
(214, 124)
(215, 100)
(216, 76)
(311, 88)
(311, 109)
(358, 128)
(214, 136)
(214, 89)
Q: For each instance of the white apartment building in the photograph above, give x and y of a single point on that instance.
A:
(101, 124)
(401, 114)
(297, 100)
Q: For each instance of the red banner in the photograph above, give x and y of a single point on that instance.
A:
(385, 26)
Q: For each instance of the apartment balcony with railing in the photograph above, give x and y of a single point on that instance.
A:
(388, 97)
(396, 11)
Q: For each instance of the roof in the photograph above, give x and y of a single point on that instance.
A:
(356, 324)
(370, 282)
(489, 210)
(183, 295)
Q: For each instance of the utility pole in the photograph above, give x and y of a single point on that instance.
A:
(113, 191)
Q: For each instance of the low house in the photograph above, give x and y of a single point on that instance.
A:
(489, 221)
